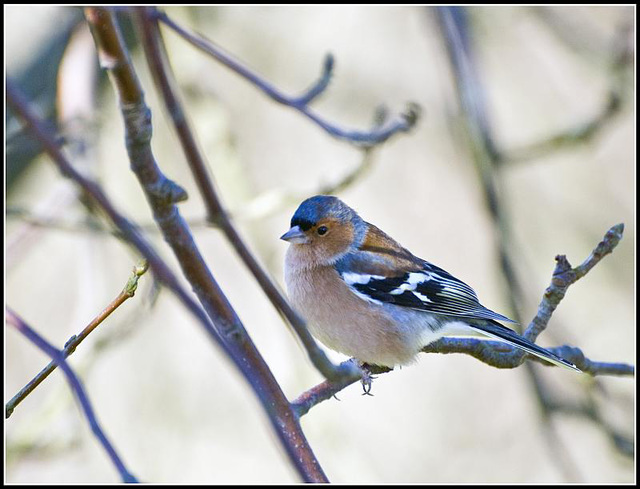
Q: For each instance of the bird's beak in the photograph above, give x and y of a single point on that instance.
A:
(295, 235)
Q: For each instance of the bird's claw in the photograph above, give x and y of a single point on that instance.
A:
(366, 380)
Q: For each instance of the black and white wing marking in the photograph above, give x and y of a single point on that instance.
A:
(430, 289)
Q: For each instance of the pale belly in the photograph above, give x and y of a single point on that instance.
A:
(378, 334)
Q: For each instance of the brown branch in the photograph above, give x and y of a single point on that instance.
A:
(58, 358)
(564, 276)
(165, 83)
(18, 103)
(329, 388)
(402, 123)
(162, 195)
(73, 342)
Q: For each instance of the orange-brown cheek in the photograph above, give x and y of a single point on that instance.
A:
(339, 239)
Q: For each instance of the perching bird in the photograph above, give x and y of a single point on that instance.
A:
(366, 296)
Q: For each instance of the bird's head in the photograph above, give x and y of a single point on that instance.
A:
(323, 229)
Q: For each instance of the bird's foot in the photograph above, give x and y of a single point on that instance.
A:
(367, 379)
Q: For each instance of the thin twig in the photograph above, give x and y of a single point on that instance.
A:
(620, 57)
(582, 133)
(268, 203)
(327, 389)
(588, 409)
(58, 358)
(564, 276)
(402, 123)
(73, 342)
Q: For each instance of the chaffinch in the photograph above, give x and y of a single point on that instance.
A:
(366, 296)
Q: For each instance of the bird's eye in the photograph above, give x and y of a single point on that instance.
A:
(322, 230)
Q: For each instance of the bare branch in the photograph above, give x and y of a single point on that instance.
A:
(487, 157)
(73, 342)
(275, 200)
(16, 100)
(58, 358)
(619, 57)
(581, 133)
(321, 84)
(328, 389)
(162, 195)
(564, 276)
(402, 123)
(156, 57)
(501, 355)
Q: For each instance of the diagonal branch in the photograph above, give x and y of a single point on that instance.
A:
(501, 355)
(73, 342)
(18, 103)
(402, 123)
(58, 358)
(564, 276)
(165, 83)
(162, 196)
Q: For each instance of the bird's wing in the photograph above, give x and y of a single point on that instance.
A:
(388, 273)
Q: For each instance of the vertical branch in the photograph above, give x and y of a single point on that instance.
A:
(476, 123)
(487, 157)
(165, 83)
(162, 195)
(453, 22)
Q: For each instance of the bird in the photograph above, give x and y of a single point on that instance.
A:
(366, 296)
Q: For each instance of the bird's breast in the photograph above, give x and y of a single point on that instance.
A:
(380, 334)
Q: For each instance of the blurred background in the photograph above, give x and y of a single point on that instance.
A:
(543, 125)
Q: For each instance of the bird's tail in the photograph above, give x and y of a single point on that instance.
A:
(497, 330)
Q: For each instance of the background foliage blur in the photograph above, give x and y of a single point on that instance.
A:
(172, 406)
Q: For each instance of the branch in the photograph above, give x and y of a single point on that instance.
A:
(501, 355)
(329, 388)
(269, 202)
(402, 123)
(487, 158)
(581, 133)
(165, 83)
(257, 208)
(162, 195)
(620, 56)
(588, 409)
(73, 342)
(564, 276)
(58, 357)
(16, 100)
